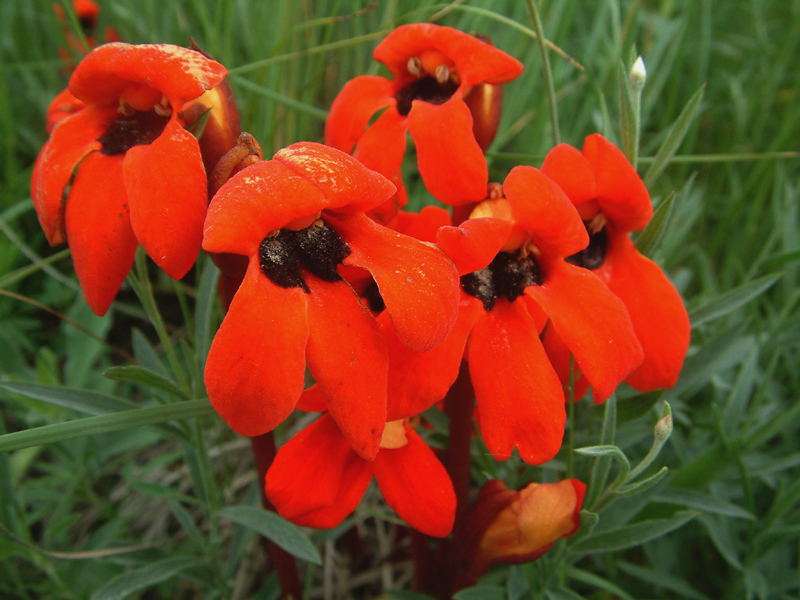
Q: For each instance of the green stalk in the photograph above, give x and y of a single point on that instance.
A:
(548, 72)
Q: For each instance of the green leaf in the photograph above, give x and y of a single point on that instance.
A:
(780, 260)
(126, 584)
(83, 401)
(127, 419)
(629, 125)
(404, 595)
(662, 580)
(145, 377)
(275, 528)
(633, 535)
(733, 299)
(648, 240)
(481, 592)
(517, 586)
(702, 502)
(588, 523)
(600, 583)
(607, 451)
(674, 137)
(722, 539)
(635, 407)
(562, 593)
(206, 292)
(643, 485)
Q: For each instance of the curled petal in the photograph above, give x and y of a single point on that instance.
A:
(166, 185)
(620, 192)
(255, 202)
(593, 323)
(316, 479)
(179, 73)
(416, 485)
(417, 380)
(99, 231)
(518, 394)
(422, 225)
(348, 359)
(416, 280)
(72, 139)
(353, 108)
(474, 244)
(344, 181)
(656, 309)
(572, 172)
(255, 370)
(451, 162)
(545, 212)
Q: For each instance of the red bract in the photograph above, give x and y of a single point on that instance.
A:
(139, 172)
(434, 68)
(613, 201)
(297, 219)
(317, 479)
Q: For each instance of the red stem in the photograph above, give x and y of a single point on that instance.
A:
(459, 404)
(285, 565)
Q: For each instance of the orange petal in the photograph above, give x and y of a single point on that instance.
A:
(255, 370)
(416, 485)
(311, 400)
(99, 230)
(518, 394)
(572, 172)
(474, 244)
(593, 323)
(166, 185)
(348, 359)
(353, 108)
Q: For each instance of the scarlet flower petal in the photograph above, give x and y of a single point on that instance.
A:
(518, 394)
(348, 359)
(167, 190)
(474, 244)
(255, 370)
(545, 212)
(62, 106)
(656, 309)
(316, 479)
(255, 202)
(593, 323)
(179, 73)
(416, 485)
(451, 162)
(417, 281)
(417, 380)
(572, 172)
(72, 139)
(353, 108)
(343, 180)
(98, 227)
(311, 400)
(476, 61)
(622, 196)
(423, 225)
(559, 355)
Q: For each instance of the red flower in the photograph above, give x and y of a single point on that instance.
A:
(434, 69)
(317, 479)
(515, 282)
(298, 218)
(140, 175)
(612, 202)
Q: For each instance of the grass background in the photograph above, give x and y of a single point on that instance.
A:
(734, 454)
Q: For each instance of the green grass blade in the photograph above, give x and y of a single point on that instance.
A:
(648, 240)
(733, 299)
(126, 584)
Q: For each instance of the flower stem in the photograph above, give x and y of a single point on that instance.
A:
(285, 565)
(571, 439)
(548, 72)
(459, 404)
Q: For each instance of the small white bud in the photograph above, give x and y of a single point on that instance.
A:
(638, 75)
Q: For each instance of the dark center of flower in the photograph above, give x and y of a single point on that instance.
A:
(285, 258)
(139, 128)
(428, 89)
(506, 276)
(594, 255)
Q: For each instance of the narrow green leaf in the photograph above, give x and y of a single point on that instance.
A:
(517, 586)
(602, 465)
(733, 299)
(600, 583)
(481, 592)
(607, 451)
(127, 419)
(126, 584)
(643, 485)
(588, 523)
(83, 401)
(674, 137)
(147, 378)
(275, 528)
(662, 580)
(721, 537)
(702, 502)
(780, 260)
(633, 535)
(627, 115)
(648, 240)
(635, 407)
(206, 292)
(562, 593)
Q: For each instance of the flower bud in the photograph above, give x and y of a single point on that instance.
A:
(638, 75)
(485, 102)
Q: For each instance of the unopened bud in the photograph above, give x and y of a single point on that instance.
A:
(663, 428)
(638, 75)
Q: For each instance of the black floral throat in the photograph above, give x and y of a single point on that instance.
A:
(594, 255)
(507, 276)
(285, 257)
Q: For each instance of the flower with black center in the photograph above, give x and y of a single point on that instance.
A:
(298, 219)
(434, 70)
(124, 170)
(613, 201)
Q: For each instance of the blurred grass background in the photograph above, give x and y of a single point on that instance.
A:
(734, 454)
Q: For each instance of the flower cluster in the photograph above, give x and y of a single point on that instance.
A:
(534, 284)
